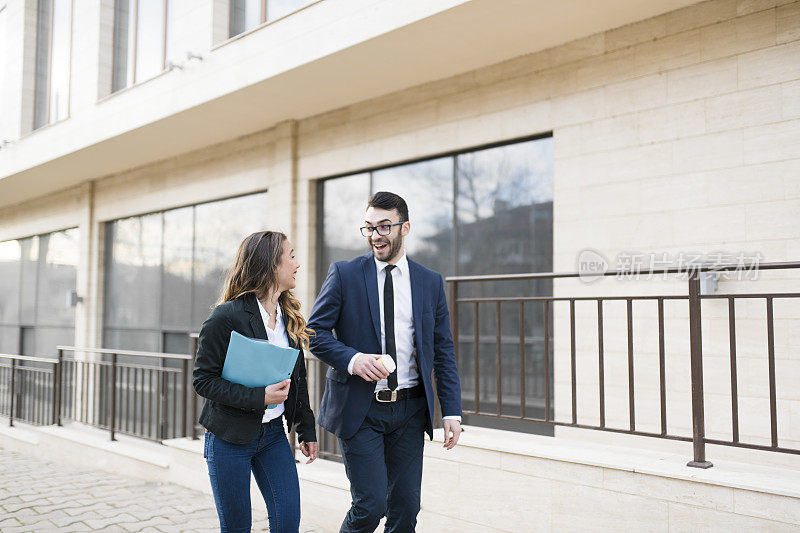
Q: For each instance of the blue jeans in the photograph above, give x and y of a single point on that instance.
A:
(270, 459)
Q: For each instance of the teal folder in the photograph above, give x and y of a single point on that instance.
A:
(256, 362)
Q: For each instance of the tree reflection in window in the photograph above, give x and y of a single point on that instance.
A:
(485, 211)
(164, 271)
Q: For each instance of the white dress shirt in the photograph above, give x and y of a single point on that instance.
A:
(407, 371)
(277, 337)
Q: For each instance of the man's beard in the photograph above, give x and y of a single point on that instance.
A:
(393, 249)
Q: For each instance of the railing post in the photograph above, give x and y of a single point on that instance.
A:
(696, 355)
(113, 400)
(57, 388)
(13, 393)
(193, 393)
(184, 396)
(163, 414)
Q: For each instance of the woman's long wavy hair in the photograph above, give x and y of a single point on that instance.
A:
(255, 271)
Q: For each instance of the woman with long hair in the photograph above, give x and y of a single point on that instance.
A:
(242, 435)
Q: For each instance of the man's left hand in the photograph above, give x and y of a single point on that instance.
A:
(452, 430)
(309, 449)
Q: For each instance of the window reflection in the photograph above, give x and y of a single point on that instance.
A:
(244, 15)
(280, 8)
(59, 68)
(140, 41)
(5, 126)
(47, 338)
(133, 271)
(176, 294)
(427, 188)
(10, 257)
(57, 277)
(53, 43)
(43, 12)
(36, 276)
(344, 201)
(29, 267)
(176, 31)
(164, 271)
(122, 35)
(150, 27)
(503, 211)
(129, 339)
(219, 228)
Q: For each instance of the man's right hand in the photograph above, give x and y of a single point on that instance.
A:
(368, 366)
(277, 393)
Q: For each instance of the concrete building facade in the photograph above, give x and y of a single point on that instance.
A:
(660, 127)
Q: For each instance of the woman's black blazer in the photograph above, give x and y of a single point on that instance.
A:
(232, 411)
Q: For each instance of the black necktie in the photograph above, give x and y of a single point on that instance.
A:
(388, 322)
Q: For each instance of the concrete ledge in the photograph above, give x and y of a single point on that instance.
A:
(725, 473)
(493, 481)
(20, 433)
(555, 483)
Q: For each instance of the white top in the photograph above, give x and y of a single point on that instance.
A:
(407, 371)
(277, 337)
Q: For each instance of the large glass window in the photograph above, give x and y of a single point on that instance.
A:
(247, 14)
(164, 271)
(53, 43)
(5, 126)
(427, 186)
(140, 41)
(37, 275)
(10, 258)
(484, 211)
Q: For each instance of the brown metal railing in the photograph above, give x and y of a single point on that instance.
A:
(28, 393)
(695, 385)
(195, 400)
(328, 442)
(157, 402)
(133, 396)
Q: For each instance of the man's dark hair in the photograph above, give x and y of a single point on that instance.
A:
(389, 201)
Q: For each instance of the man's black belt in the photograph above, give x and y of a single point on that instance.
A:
(387, 395)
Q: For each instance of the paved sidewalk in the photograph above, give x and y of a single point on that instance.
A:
(39, 496)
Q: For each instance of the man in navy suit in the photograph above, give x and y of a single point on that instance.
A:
(384, 303)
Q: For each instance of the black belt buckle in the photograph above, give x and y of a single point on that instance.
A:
(385, 398)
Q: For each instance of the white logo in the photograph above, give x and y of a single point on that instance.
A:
(591, 265)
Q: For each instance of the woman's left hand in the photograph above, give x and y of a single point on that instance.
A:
(309, 449)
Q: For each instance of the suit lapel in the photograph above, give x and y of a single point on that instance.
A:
(415, 274)
(256, 322)
(371, 282)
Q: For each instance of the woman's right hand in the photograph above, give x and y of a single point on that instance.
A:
(277, 393)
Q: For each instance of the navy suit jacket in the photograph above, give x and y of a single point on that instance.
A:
(348, 305)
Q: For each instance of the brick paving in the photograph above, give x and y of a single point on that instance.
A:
(36, 495)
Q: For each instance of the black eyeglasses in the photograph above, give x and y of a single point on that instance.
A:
(382, 229)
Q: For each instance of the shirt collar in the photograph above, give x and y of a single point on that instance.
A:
(279, 313)
(402, 264)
